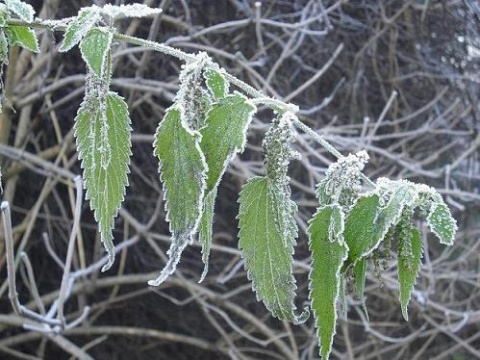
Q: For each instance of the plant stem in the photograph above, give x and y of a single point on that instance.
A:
(259, 98)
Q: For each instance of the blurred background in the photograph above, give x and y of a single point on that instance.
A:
(398, 78)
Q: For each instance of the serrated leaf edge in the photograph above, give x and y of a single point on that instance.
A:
(173, 260)
(341, 242)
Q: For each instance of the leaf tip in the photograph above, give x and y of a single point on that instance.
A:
(301, 318)
(110, 262)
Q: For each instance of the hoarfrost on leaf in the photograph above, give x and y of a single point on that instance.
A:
(79, 26)
(95, 49)
(183, 173)
(342, 179)
(277, 148)
(329, 251)
(24, 11)
(129, 11)
(99, 125)
(441, 222)
(223, 136)
(268, 248)
(22, 36)
(409, 261)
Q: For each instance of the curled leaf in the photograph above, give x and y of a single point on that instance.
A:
(183, 173)
(223, 136)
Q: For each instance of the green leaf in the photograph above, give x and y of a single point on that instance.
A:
(183, 172)
(3, 49)
(22, 36)
(441, 222)
(3, 15)
(222, 138)
(225, 134)
(77, 28)
(267, 246)
(329, 252)
(409, 263)
(95, 49)
(205, 230)
(368, 222)
(359, 273)
(216, 83)
(24, 11)
(361, 228)
(102, 131)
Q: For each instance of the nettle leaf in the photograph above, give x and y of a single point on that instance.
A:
(224, 135)
(329, 251)
(409, 263)
(22, 36)
(131, 10)
(3, 15)
(267, 246)
(360, 273)
(369, 221)
(441, 222)
(77, 28)
(95, 49)
(205, 232)
(24, 11)
(216, 83)
(361, 228)
(183, 173)
(102, 131)
(3, 49)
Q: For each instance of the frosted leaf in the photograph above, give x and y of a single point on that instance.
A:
(129, 11)
(373, 216)
(3, 50)
(3, 15)
(223, 136)
(441, 222)
(22, 36)
(205, 229)
(79, 26)
(439, 218)
(24, 11)
(278, 152)
(359, 274)
(216, 83)
(267, 247)
(183, 173)
(329, 252)
(409, 261)
(342, 180)
(95, 49)
(102, 122)
(191, 96)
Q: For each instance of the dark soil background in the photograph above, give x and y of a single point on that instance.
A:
(397, 78)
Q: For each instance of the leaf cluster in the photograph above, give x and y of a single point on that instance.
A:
(199, 135)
